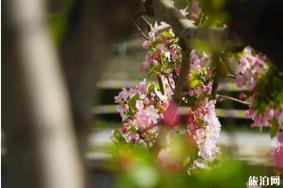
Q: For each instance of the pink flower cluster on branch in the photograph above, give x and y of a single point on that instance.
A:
(143, 107)
(252, 67)
(141, 110)
(200, 75)
(205, 128)
(163, 53)
(146, 107)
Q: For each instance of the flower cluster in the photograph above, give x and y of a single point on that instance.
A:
(252, 67)
(205, 127)
(265, 119)
(200, 75)
(163, 52)
(146, 106)
(141, 109)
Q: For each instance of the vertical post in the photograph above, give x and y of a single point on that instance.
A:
(41, 147)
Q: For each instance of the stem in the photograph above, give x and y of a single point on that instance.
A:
(233, 99)
(231, 76)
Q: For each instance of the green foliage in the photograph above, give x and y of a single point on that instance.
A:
(57, 21)
(132, 103)
(274, 128)
(137, 167)
(270, 89)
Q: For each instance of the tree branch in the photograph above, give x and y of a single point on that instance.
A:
(233, 99)
(164, 10)
(183, 76)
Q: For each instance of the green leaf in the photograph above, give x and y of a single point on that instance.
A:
(132, 103)
(168, 34)
(194, 83)
(274, 128)
(151, 88)
(118, 136)
(194, 80)
(133, 129)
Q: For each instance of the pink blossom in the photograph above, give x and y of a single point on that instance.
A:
(240, 81)
(123, 95)
(139, 105)
(250, 68)
(195, 9)
(269, 114)
(147, 117)
(242, 95)
(206, 138)
(152, 114)
(142, 87)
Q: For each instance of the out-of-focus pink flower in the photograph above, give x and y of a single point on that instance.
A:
(206, 130)
(152, 113)
(145, 44)
(250, 68)
(171, 117)
(242, 96)
(177, 70)
(249, 113)
(278, 151)
(269, 114)
(278, 157)
(143, 69)
(195, 9)
(240, 81)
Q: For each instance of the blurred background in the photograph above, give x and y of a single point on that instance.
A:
(63, 62)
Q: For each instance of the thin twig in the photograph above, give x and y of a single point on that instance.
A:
(231, 76)
(141, 32)
(233, 99)
(147, 22)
